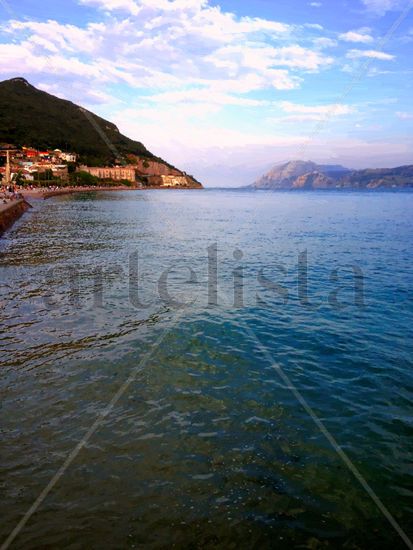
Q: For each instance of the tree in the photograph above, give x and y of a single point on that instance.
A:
(84, 179)
(18, 178)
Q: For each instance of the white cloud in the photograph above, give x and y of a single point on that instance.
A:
(51, 36)
(184, 129)
(114, 5)
(79, 92)
(360, 35)
(315, 4)
(337, 108)
(202, 46)
(263, 58)
(374, 71)
(380, 7)
(315, 26)
(301, 118)
(21, 56)
(298, 57)
(205, 96)
(373, 54)
(403, 115)
(299, 112)
(324, 42)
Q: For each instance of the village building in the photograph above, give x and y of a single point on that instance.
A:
(115, 173)
(30, 153)
(67, 157)
(58, 170)
(28, 162)
(168, 181)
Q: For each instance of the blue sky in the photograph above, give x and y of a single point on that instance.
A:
(226, 89)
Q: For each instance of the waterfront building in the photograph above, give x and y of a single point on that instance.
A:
(116, 173)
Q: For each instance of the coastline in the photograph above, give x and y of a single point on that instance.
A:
(46, 193)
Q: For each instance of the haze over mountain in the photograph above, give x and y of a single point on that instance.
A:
(309, 175)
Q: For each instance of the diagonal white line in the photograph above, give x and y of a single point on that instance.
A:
(7, 7)
(330, 438)
(94, 427)
(356, 79)
(101, 132)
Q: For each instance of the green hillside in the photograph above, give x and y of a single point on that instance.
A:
(31, 117)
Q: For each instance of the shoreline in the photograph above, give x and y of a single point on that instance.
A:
(46, 193)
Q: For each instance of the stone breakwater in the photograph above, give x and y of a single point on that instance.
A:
(11, 212)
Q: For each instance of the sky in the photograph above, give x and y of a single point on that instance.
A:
(225, 90)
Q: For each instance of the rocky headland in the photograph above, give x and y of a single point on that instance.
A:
(309, 175)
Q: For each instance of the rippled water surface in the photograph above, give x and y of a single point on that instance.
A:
(224, 435)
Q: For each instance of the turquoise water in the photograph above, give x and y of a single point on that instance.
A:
(215, 442)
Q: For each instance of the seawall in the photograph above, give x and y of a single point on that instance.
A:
(11, 212)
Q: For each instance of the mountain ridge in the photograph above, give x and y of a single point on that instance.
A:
(300, 174)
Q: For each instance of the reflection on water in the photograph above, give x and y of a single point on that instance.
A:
(208, 447)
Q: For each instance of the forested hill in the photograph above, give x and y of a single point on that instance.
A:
(34, 118)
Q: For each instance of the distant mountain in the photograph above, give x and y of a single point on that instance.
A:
(313, 180)
(309, 175)
(399, 177)
(34, 118)
(285, 175)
